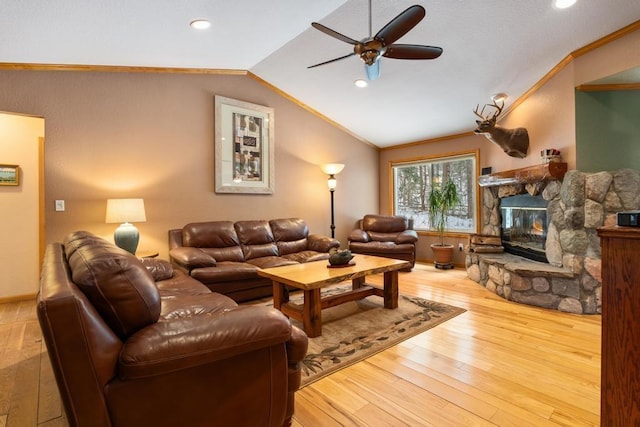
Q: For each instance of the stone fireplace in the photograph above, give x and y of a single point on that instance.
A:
(576, 205)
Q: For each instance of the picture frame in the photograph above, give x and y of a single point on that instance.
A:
(244, 147)
(9, 175)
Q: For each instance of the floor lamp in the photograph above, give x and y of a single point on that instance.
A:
(332, 169)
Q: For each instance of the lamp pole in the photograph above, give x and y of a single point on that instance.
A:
(333, 226)
(332, 169)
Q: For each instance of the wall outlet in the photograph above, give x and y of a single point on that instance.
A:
(460, 246)
(59, 205)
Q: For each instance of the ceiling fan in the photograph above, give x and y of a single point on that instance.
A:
(372, 48)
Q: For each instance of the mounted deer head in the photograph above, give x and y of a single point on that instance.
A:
(514, 142)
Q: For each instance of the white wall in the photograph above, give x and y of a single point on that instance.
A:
(19, 206)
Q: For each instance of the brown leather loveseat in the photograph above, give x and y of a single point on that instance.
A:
(389, 236)
(226, 255)
(134, 343)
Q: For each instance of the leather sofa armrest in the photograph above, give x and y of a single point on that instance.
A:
(170, 346)
(297, 345)
(190, 258)
(159, 268)
(316, 242)
(296, 351)
(359, 235)
(407, 236)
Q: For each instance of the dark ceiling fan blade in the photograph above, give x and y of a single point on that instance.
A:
(412, 51)
(332, 60)
(400, 25)
(334, 34)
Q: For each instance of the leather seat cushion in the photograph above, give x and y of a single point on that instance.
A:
(382, 237)
(225, 271)
(180, 284)
(381, 247)
(307, 256)
(270, 261)
(195, 305)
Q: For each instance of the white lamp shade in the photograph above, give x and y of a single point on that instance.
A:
(125, 210)
(332, 168)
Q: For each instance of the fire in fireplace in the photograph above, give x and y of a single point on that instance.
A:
(524, 226)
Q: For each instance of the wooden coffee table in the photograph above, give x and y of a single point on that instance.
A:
(311, 277)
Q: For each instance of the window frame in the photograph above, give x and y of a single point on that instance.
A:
(439, 158)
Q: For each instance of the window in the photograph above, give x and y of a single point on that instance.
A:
(412, 182)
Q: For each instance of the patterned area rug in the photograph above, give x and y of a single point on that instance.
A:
(353, 331)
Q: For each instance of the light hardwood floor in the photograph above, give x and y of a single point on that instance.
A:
(499, 363)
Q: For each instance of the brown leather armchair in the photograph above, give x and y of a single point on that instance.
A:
(385, 236)
(134, 343)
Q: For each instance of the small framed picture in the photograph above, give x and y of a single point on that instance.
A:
(9, 175)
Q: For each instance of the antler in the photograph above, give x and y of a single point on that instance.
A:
(494, 105)
(479, 114)
(498, 109)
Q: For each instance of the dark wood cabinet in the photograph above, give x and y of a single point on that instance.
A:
(620, 386)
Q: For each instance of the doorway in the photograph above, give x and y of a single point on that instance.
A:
(22, 205)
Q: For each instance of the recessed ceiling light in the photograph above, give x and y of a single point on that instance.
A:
(361, 83)
(563, 4)
(200, 24)
(499, 97)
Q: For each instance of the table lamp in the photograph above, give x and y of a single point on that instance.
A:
(126, 211)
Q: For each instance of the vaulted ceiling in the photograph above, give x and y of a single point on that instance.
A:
(490, 46)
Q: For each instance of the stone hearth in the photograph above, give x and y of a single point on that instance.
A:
(578, 205)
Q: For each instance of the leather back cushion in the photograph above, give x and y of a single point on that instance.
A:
(384, 223)
(290, 234)
(256, 239)
(116, 283)
(232, 253)
(213, 234)
(216, 238)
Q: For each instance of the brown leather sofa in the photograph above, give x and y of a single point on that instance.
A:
(226, 255)
(385, 236)
(134, 343)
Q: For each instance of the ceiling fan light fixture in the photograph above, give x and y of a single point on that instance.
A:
(499, 97)
(200, 24)
(361, 83)
(372, 71)
(370, 56)
(563, 4)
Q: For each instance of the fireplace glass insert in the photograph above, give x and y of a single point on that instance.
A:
(524, 226)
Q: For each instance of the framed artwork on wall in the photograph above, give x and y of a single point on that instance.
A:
(9, 175)
(244, 147)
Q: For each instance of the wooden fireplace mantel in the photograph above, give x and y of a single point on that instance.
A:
(542, 172)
